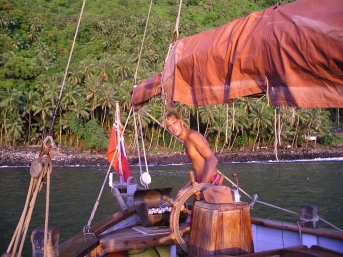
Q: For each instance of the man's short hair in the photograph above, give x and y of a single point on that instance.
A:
(171, 115)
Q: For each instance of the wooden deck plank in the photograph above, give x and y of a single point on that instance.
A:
(131, 239)
(78, 245)
(81, 244)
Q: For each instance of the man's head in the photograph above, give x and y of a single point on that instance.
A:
(173, 122)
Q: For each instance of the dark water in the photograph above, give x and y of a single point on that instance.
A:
(75, 190)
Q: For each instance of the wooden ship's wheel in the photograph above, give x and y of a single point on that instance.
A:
(178, 204)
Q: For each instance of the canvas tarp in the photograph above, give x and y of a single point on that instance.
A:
(293, 54)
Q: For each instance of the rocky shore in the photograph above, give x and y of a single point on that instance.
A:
(23, 156)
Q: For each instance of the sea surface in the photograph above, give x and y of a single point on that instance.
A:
(74, 191)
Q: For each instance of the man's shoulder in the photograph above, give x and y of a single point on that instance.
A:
(195, 135)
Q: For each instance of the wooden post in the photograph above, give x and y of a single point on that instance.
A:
(309, 216)
(220, 229)
(37, 240)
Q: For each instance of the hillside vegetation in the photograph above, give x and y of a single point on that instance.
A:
(35, 42)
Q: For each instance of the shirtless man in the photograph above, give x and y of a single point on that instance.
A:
(197, 149)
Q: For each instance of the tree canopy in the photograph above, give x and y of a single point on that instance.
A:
(35, 42)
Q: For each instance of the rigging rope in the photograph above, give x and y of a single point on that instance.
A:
(66, 71)
(276, 137)
(138, 152)
(177, 24)
(142, 44)
(254, 198)
(23, 225)
(48, 167)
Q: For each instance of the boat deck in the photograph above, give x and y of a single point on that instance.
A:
(121, 239)
(133, 238)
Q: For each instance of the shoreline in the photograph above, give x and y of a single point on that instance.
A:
(23, 156)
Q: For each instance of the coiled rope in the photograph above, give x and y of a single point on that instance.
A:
(36, 184)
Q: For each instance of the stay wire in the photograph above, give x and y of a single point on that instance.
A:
(66, 71)
(142, 44)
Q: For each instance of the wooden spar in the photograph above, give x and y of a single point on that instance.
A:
(220, 229)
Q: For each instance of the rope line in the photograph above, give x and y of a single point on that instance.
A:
(274, 206)
(23, 225)
(137, 145)
(21, 220)
(142, 44)
(276, 136)
(66, 71)
(177, 23)
(48, 167)
(143, 146)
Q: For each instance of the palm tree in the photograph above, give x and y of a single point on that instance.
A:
(92, 84)
(29, 98)
(10, 102)
(15, 127)
(207, 117)
(80, 110)
(42, 108)
(74, 75)
(104, 64)
(44, 55)
(239, 122)
(107, 100)
(70, 95)
(122, 65)
(260, 116)
(300, 117)
(124, 93)
(87, 67)
(219, 123)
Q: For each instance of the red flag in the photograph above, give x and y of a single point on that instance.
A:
(112, 151)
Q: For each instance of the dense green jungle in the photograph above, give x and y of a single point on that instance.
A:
(109, 58)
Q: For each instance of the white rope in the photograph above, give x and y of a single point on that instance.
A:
(328, 223)
(143, 146)
(22, 218)
(138, 151)
(48, 167)
(28, 216)
(276, 137)
(276, 207)
(87, 227)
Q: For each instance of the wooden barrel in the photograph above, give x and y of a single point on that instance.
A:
(220, 229)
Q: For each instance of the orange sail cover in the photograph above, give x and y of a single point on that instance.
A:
(292, 54)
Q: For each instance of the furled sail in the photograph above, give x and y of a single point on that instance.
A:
(292, 54)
